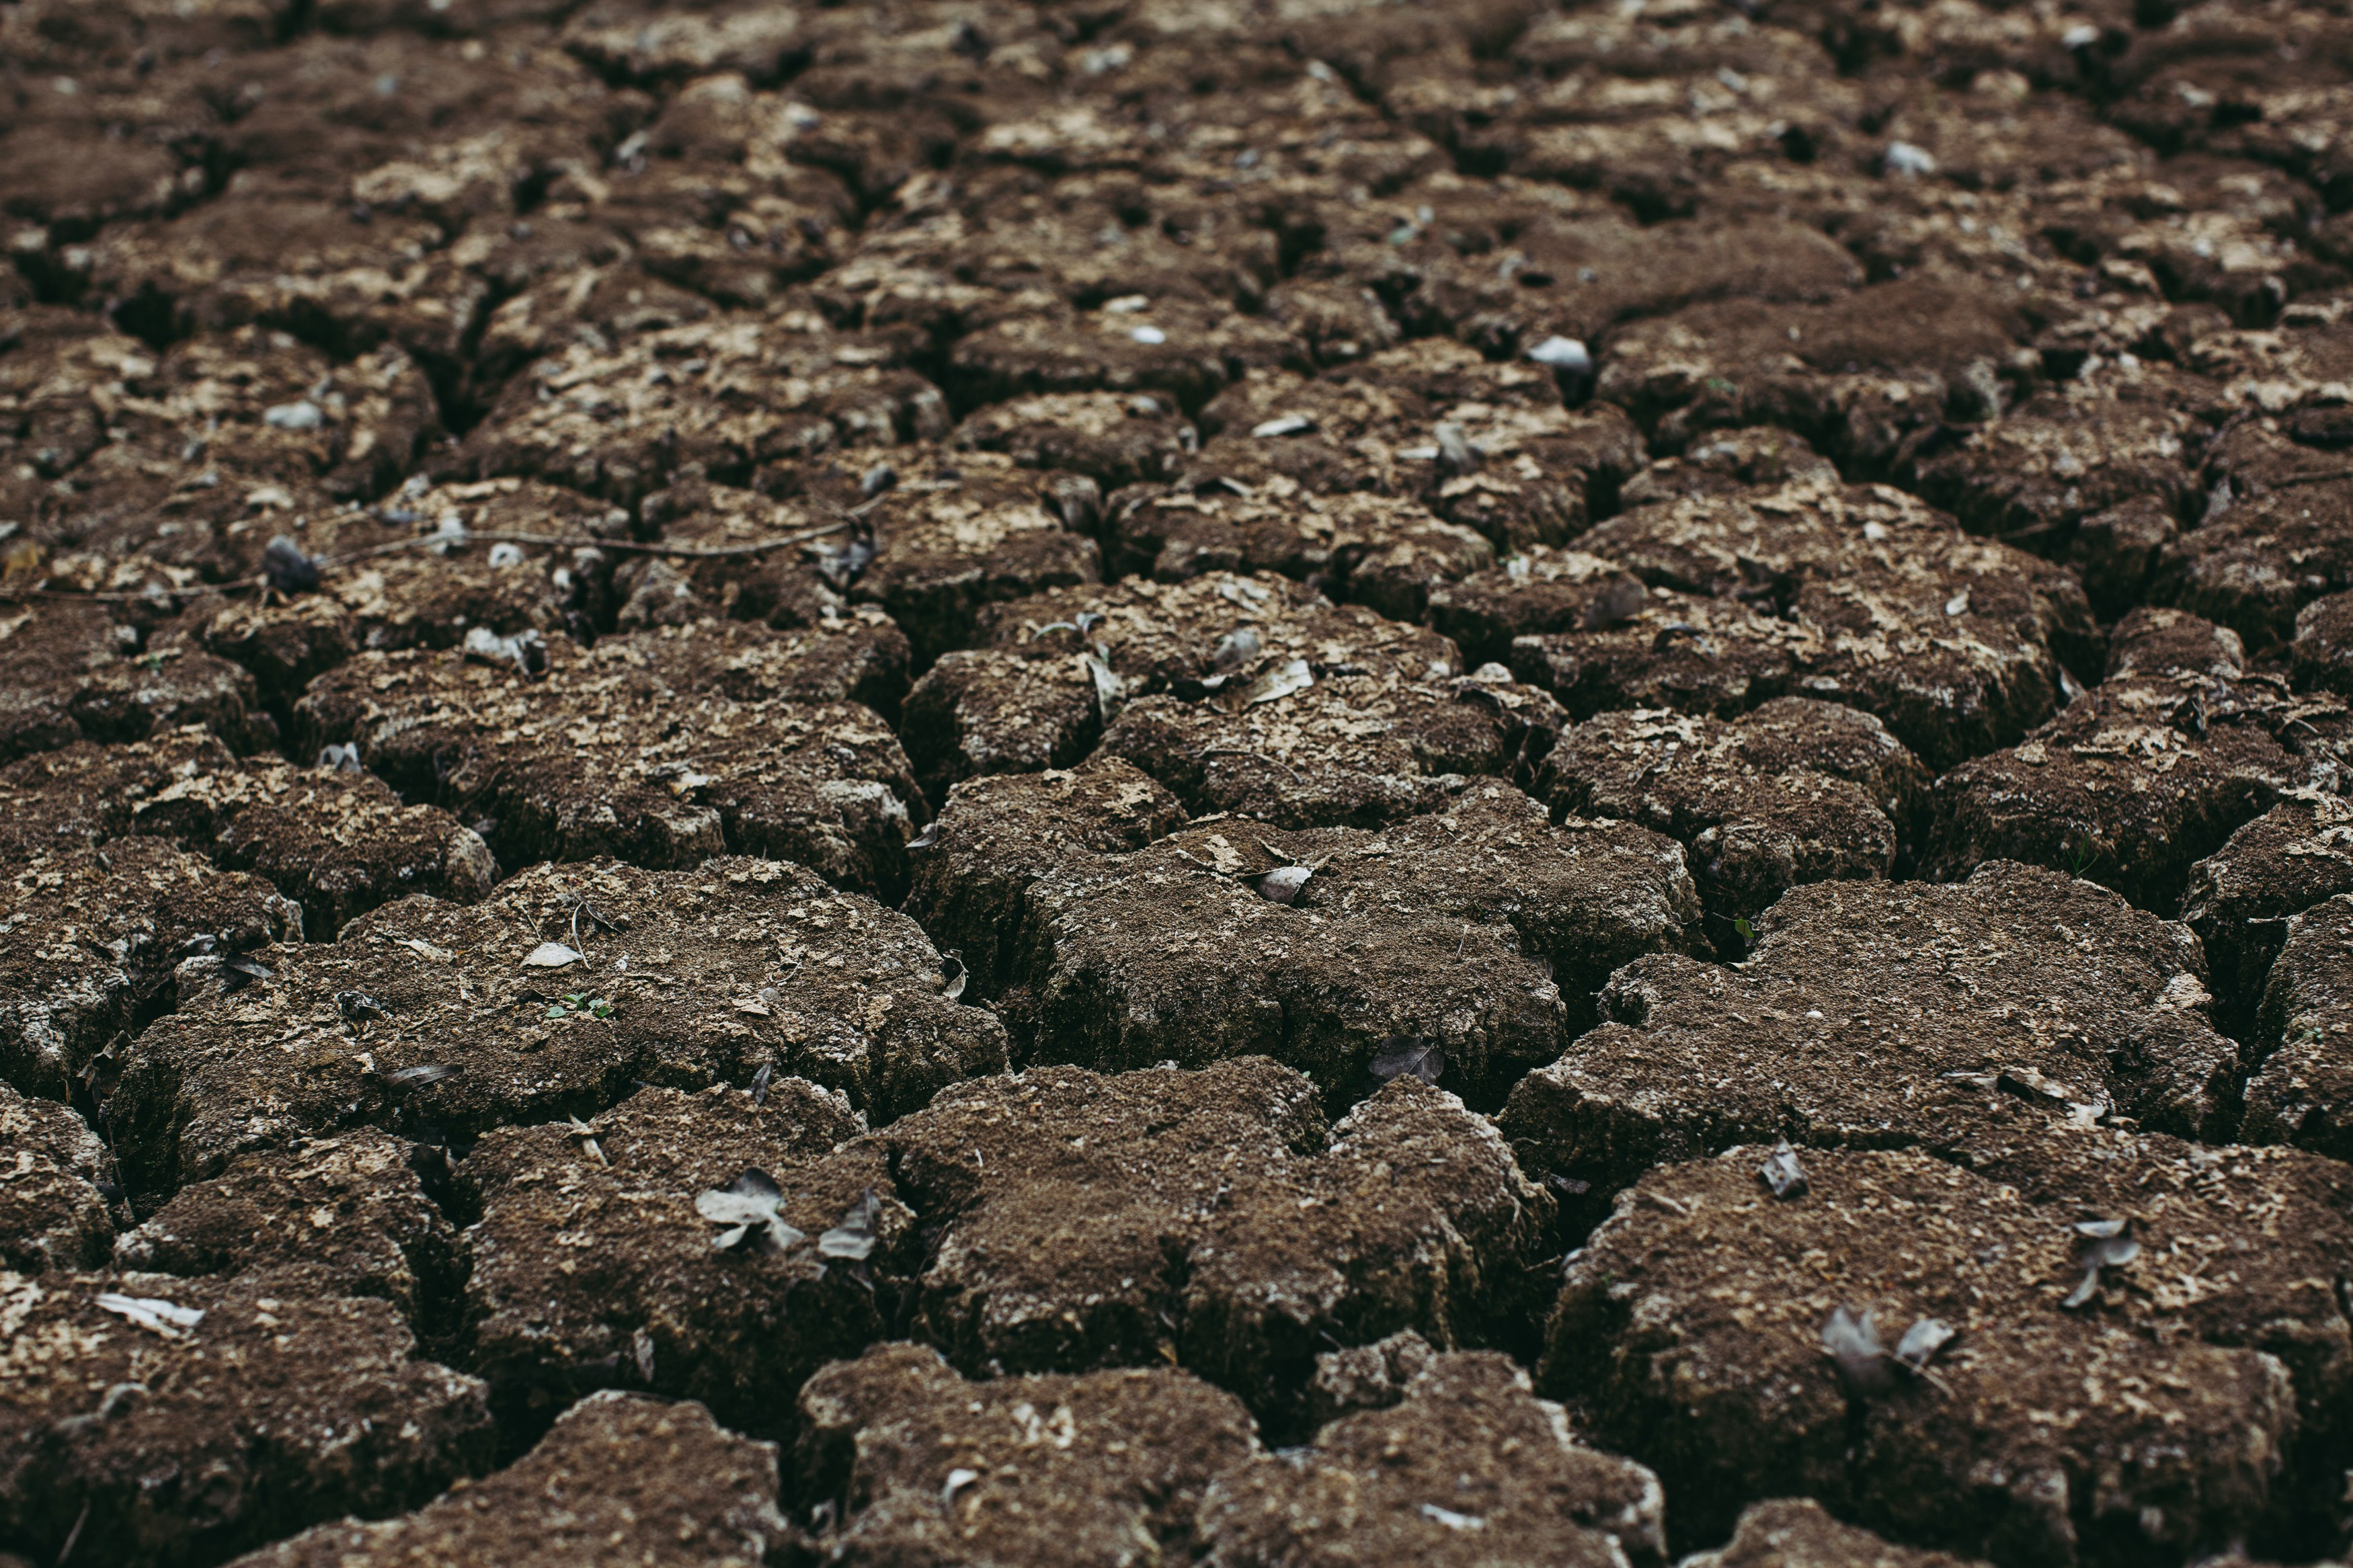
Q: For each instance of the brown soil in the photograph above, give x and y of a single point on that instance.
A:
(980, 782)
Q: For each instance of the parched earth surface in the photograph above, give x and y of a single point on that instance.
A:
(1307, 784)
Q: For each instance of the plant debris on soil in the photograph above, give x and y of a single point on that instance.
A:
(998, 782)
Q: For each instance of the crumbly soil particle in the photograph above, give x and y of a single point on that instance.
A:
(278, 1408)
(2158, 1414)
(686, 979)
(618, 1479)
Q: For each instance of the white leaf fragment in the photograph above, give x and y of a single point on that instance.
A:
(165, 1318)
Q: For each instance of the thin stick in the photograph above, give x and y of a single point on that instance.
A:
(2319, 477)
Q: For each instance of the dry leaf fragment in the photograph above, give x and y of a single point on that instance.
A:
(150, 1312)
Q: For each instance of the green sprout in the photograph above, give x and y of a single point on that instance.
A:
(2083, 857)
(579, 1002)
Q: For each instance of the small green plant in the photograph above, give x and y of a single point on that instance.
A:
(1720, 387)
(1748, 932)
(579, 1002)
(2082, 857)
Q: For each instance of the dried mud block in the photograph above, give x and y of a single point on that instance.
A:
(2079, 448)
(1795, 791)
(1000, 710)
(2302, 1089)
(1727, 462)
(2033, 475)
(1110, 438)
(618, 1479)
(1853, 594)
(1384, 552)
(425, 596)
(1356, 747)
(1891, 1015)
(733, 394)
(999, 834)
(636, 44)
(427, 1017)
(661, 748)
(78, 674)
(1863, 378)
(1750, 1346)
(2295, 373)
(1481, 930)
(1487, 446)
(1208, 1219)
(84, 794)
(2135, 780)
(2274, 538)
(1523, 477)
(93, 935)
(199, 1417)
(1799, 1532)
(2152, 641)
(954, 536)
(1469, 1467)
(913, 1463)
(1240, 694)
(199, 456)
(593, 1267)
(2321, 654)
(2294, 857)
(348, 1215)
(781, 585)
(337, 842)
(1186, 349)
(54, 1209)
(1579, 277)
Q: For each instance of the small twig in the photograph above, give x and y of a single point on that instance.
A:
(2319, 477)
